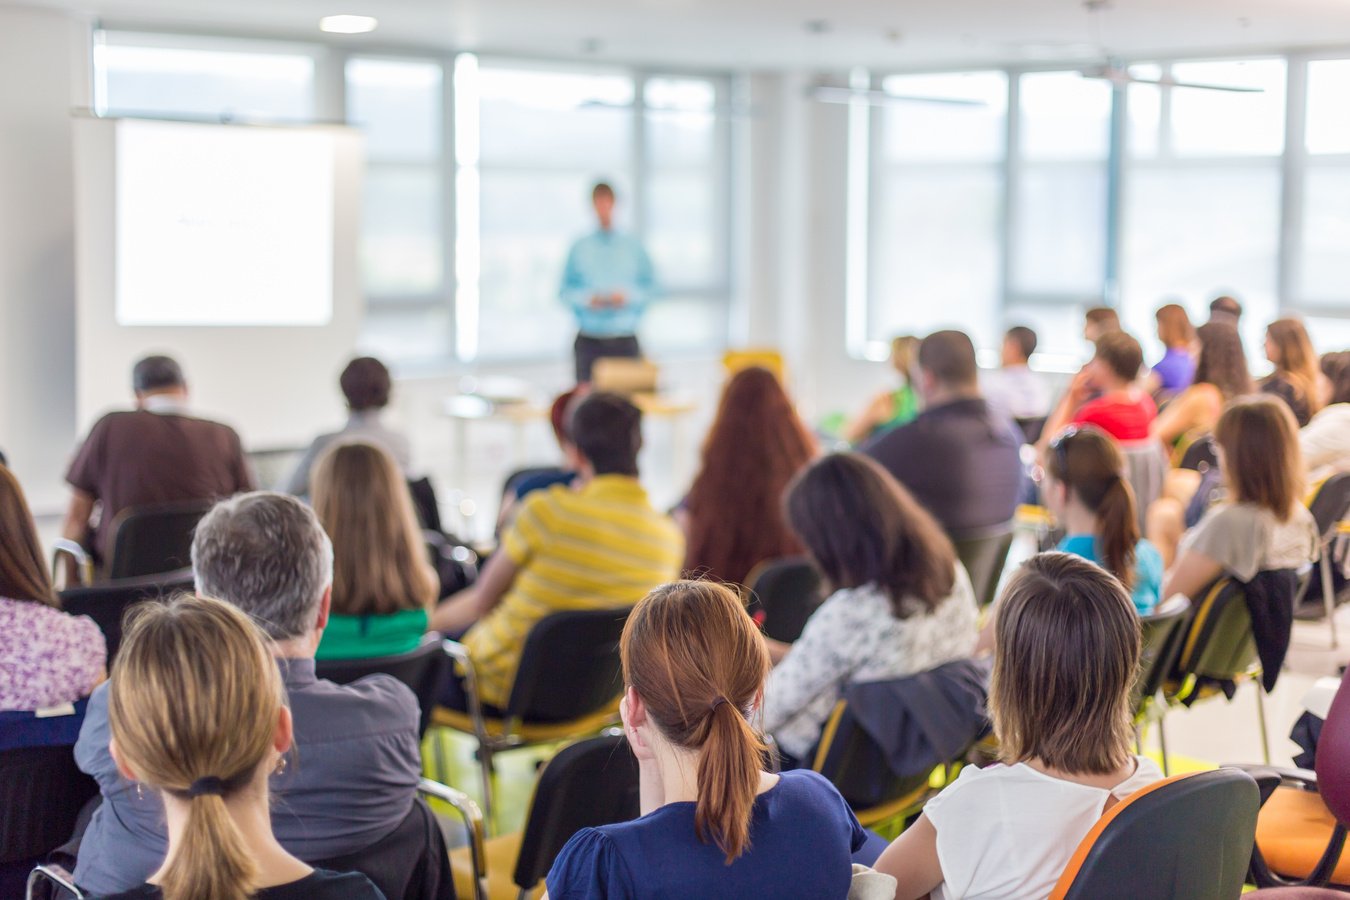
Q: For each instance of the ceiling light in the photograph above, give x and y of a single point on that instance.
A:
(348, 24)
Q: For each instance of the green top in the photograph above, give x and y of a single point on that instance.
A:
(365, 637)
(906, 407)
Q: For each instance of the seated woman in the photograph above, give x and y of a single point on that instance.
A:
(714, 823)
(383, 583)
(733, 519)
(1220, 375)
(205, 734)
(47, 658)
(901, 602)
(1263, 525)
(1066, 648)
(890, 409)
(1121, 408)
(1085, 488)
(1325, 440)
(1172, 374)
(1297, 380)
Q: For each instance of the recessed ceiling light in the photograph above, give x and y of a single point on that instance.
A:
(348, 24)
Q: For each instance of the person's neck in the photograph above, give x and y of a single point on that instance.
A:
(943, 394)
(1078, 519)
(671, 776)
(303, 647)
(1105, 781)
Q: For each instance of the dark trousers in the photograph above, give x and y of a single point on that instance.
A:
(588, 349)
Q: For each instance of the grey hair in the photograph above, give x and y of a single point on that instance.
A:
(267, 554)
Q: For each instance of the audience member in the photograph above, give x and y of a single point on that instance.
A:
(1325, 440)
(1297, 379)
(1014, 388)
(901, 602)
(1099, 320)
(518, 487)
(1225, 309)
(890, 409)
(959, 458)
(714, 822)
(1220, 375)
(383, 583)
(598, 545)
(732, 518)
(47, 658)
(1066, 652)
(366, 385)
(1086, 490)
(155, 454)
(198, 715)
(1121, 408)
(1263, 526)
(267, 555)
(1172, 374)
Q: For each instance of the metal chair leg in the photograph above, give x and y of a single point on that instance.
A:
(1261, 717)
(1328, 594)
(485, 762)
(1162, 739)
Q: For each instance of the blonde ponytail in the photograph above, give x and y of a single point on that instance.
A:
(212, 862)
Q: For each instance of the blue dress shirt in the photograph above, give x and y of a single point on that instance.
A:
(603, 263)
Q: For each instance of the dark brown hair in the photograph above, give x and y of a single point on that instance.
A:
(23, 574)
(1296, 361)
(1336, 367)
(1024, 338)
(1121, 354)
(698, 662)
(1104, 317)
(1066, 652)
(1174, 326)
(756, 445)
(607, 430)
(1262, 462)
(1089, 462)
(1225, 305)
(863, 527)
(366, 384)
(950, 357)
(1222, 361)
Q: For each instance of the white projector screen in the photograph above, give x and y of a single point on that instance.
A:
(243, 215)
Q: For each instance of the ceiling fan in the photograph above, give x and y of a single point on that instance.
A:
(833, 93)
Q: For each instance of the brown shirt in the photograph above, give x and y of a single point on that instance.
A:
(142, 457)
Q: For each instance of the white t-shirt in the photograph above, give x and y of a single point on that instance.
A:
(1007, 832)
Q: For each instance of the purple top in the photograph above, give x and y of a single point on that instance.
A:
(47, 658)
(1175, 370)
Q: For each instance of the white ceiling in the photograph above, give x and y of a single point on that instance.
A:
(770, 34)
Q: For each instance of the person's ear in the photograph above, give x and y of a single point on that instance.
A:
(283, 735)
(635, 720)
(120, 761)
(325, 606)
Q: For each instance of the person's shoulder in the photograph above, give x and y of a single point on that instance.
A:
(322, 884)
(811, 786)
(376, 698)
(592, 863)
(1147, 555)
(141, 892)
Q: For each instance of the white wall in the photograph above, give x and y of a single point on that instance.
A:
(43, 67)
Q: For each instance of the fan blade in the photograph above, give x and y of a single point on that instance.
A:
(830, 94)
(1232, 89)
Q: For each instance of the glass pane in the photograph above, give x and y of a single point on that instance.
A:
(1064, 116)
(407, 335)
(397, 104)
(1059, 237)
(932, 132)
(1145, 111)
(1059, 331)
(1325, 269)
(1328, 112)
(1328, 335)
(1222, 123)
(401, 251)
(676, 322)
(681, 121)
(935, 253)
(681, 233)
(214, 84)
(1194, 233)
(549, 119)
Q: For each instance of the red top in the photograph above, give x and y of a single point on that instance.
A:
(1125, 419)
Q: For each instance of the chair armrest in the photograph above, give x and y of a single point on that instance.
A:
(84, 563)
(460, 654)
(1268, 779)
(468, 810)
(59, 878)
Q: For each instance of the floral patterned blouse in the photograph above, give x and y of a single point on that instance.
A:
(47, 658)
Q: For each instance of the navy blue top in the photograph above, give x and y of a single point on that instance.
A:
(542, 481)
(802, 837)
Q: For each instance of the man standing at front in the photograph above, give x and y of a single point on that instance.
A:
(607, 283)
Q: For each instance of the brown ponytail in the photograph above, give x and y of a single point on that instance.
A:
(1089, 462)
(193, 706)
(695, 658)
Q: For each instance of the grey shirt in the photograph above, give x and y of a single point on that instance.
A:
(361, 426)
(352, 779)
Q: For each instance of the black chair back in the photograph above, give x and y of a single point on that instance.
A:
(411, 863)
(41, 794)
(569, 667)
(515, 478)
(1331, 503)
(1162, 633)
(857, 766)
(107, 603)
(783, 595)
(1201, 456)
(149, 540)
(424, 670)
(424, 503)
(590, 783)
(1189, 837)
(984, 558)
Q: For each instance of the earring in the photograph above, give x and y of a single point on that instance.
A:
(140, 791)
(281, 767)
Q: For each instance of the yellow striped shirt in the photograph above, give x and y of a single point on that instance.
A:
(601, 547)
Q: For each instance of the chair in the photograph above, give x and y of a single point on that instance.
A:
(1294, 893)
(1146, 466)
(1301, 831)
(41, 794)
(1200, 454)
(424, 503)
(107, 603)
(1329, 506)
(567, 685)
(149, 540)
(984, 559)
(783, 594)
(424, 670)
(1188, 836)
(589, 783)
(1162, 632)
(734, 361)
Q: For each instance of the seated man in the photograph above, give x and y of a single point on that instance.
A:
(596, 545)
(358, 751)
(1014, 388)
(1106, 393)
(154, 454)
(960, 457)
(366, 385)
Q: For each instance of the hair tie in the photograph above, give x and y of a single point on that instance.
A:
(210, 785)
(716, 703)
